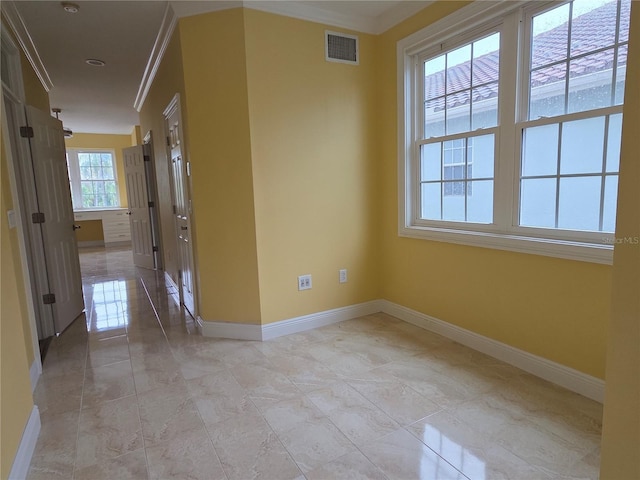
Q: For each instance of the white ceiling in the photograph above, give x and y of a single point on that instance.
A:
(123, 34)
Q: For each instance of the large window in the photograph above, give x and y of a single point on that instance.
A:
(511, 126)
(93, 177)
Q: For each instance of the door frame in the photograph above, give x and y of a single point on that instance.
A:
(173, 105)
(15, 93)
(152, 193)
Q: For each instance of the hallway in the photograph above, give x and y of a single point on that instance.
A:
(132, 391)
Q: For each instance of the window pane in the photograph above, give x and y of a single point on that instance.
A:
(538, 202)
(610, 200)
(550, 36)
(85, 173)
(579, 203)
(540, 151)
(434, 77)
(593, 25)
(453, 204)
(431, 196)
(613, 142)
(95, 159)
(547, 91)
(480, 155)
(485, 106)
(582, 146)
(486, 60)
(480, 201)
(84, 159)
(458, 65)
(620, 75)
(590, 80)
(458, 113)
(434, 118)
(107, 173)
(430, 165)
(106, 159)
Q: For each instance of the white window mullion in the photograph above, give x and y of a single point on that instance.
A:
(507, 144)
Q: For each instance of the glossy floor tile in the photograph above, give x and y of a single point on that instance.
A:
(132, 391)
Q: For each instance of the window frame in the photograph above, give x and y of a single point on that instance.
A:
(75, 179)
(461, 27)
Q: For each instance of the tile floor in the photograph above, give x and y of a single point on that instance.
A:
(132, 391)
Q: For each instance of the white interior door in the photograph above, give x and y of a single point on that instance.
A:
(139, 215)
(182, 205)
(54, 201)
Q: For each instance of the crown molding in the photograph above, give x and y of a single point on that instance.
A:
(16, 24)
(295, 9)
(168, 25)
(399, 13)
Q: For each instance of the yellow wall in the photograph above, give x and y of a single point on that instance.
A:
(557, 309)
(168, 81)
(16, 401)
(112, 142)
(219, 150)
(313, 154)
(620, 457)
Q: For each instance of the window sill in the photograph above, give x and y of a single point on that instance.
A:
(583, 252)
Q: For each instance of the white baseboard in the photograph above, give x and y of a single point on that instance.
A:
(34, 372)
(22, 460)
(237, 331)
(176, 293)
(320, 319)
(566, 377)
(286, 327)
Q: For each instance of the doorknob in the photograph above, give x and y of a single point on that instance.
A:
(183, 228)
(77, 227)
(128, 213)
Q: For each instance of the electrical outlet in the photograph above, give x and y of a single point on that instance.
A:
(304, 282)
(343, 275)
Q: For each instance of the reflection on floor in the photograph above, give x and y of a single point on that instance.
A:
(131, 391)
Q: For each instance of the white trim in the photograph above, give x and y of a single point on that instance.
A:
(168, 25)
(320, 319)
(584, 252)
(243, 331)
(238, 331)
(169, 280)
(399, 13)
(22, 460)
(566, 377)
(19, 29)
(35, 371)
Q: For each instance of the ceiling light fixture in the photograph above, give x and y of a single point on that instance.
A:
(70, 7)
(94, 62)
(68, 133)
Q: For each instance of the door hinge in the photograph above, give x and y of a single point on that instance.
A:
(155, 248)
(146, 158)
(175, 209)
(151, 204)
(26, 132)
(168, 142)
(37, 217)
(48, 298)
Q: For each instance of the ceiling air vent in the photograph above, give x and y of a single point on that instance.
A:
(340, 47)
